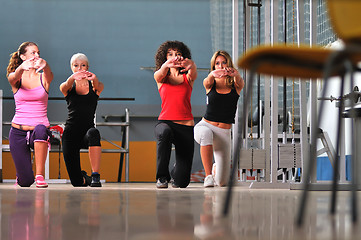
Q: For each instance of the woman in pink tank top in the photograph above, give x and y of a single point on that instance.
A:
(29, 128)
(175, 75)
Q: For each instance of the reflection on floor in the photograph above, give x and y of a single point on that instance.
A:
(140, 211)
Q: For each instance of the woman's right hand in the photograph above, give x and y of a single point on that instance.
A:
(28, 64)
(80, 75)
(174, 62)
(219, 73)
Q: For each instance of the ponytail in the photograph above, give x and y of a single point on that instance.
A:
(14, 62)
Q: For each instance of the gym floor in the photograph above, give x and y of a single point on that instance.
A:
(140, 211)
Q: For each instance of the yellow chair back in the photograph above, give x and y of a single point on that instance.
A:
(345, 16)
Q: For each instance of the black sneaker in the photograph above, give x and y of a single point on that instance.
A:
(95, 180)
(162, 183)
(87, 178)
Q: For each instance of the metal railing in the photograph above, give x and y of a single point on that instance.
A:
(123, 149)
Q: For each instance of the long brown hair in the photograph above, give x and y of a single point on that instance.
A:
(229, 79)
(15, 60)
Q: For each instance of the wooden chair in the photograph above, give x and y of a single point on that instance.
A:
(310, 63)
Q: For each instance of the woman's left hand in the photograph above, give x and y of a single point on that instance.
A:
(186, 64)
(40, 64)
(94, 80)
(231, 72)
(90, 76)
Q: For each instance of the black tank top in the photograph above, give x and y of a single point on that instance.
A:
(81, 108)
(221, 107)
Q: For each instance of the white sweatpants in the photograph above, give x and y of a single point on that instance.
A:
(206, 134)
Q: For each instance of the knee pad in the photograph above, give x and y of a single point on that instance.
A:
(203, 135)
(93, 136)
(163, 131)
(41, 133)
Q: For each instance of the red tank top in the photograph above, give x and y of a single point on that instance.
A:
(176, 101)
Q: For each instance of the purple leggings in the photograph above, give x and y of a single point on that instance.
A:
(21, 142)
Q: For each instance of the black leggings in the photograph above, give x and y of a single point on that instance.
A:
(168, 133)
(73, 140)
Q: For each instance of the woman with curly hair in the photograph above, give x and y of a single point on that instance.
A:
(223, 86)
(175, 74)
(30, 125)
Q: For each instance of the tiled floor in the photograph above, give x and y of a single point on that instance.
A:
(140, 211)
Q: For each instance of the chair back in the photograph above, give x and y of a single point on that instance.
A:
(345, 17)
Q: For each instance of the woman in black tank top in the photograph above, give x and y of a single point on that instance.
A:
(223, 86)
(81, 91)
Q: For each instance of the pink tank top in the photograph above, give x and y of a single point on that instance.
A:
(31, 106)
(176, 101)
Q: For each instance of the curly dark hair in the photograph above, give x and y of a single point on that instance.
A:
(161, 55)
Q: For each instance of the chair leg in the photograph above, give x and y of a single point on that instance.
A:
(307, 177)
(354, 179)
(311, 159)
(238, 142)
(236, 156)
(333, 62)
(354, 156)
(336, 166)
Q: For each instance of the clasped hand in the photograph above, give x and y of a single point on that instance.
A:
(84, 74)
(34, 63)
(179, 62)
(224, 72)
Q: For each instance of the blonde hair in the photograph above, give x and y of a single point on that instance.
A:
(80, 56)
(229, 80)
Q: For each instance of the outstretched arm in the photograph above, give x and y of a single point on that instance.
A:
(15, 77)
(209, 81)
(191, 67)
(239, 83)
(66, 86)
(41, 64)
(98, 86)
(162, 72)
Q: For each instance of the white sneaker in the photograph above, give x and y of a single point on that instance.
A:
(208, 181)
